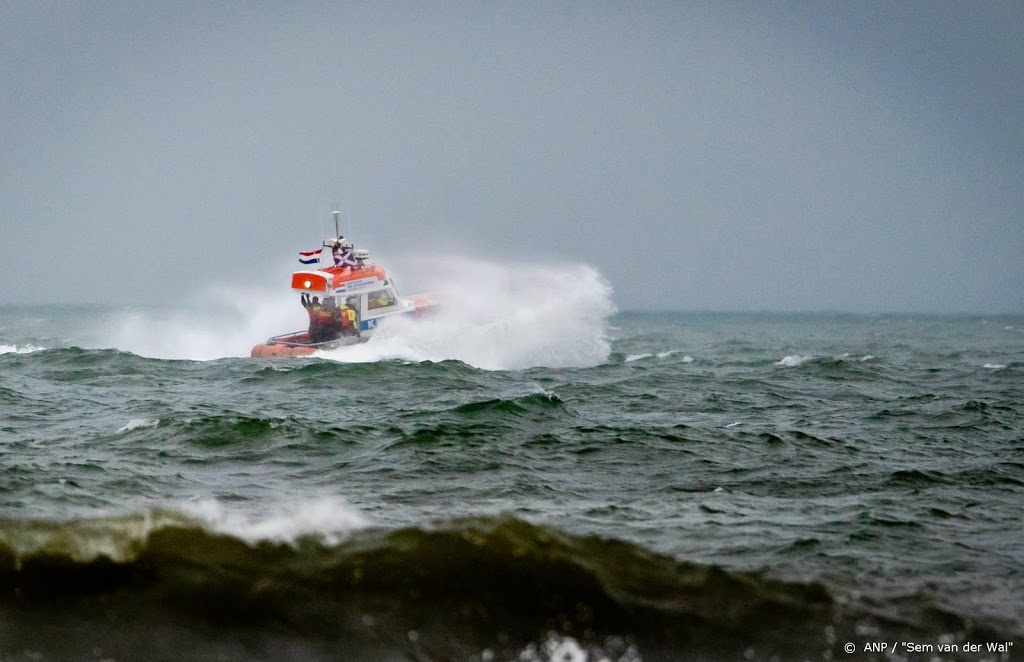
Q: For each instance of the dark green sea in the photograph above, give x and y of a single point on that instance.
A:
(578, 484)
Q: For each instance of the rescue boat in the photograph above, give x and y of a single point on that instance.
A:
(355, 280)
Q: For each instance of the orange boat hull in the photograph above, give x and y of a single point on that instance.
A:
(298, 344)
(295, 344)
(265, 350)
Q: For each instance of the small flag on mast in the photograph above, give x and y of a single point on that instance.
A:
(310, 257)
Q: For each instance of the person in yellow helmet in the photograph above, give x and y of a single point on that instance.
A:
(349, 319)
(381, 299)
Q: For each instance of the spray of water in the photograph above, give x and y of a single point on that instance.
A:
(498, 317)
(225, 321)
(493, 316)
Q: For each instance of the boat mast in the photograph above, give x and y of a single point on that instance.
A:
(337, 232)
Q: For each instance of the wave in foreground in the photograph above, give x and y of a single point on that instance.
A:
(164, 585)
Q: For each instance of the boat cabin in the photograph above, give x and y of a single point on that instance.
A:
(368, 289)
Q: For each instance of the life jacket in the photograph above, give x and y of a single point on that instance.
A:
(321, 314)
(348, 317)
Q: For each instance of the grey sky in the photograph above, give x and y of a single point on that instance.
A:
(863, 156)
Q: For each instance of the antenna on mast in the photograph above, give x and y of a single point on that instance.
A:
(337, 232)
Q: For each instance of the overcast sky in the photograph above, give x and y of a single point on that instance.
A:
(859, 156)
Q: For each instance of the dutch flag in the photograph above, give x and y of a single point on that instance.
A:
(310, 257)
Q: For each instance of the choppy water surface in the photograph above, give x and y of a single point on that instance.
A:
(633, 487)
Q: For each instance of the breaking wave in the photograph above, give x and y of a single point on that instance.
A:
(794, 360)
(451, 590)
(16, 349)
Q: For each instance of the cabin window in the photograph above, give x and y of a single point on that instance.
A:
(381, 299)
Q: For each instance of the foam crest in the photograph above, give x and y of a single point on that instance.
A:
(794, 360)
(15, 349)
(115, 536)
(137, 423)
(499, 317)
(563, 648)
(661, 355)
(330, 518)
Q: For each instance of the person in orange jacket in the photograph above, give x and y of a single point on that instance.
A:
(321, 319)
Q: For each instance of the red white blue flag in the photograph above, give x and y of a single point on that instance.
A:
(310, 257)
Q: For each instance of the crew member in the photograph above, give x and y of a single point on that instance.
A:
(331, 320)
(349, 324)
(376, 300)
(311, 307)
(320, 319)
